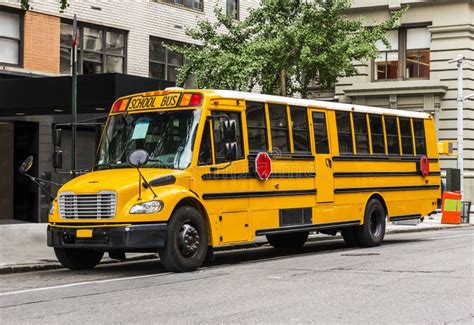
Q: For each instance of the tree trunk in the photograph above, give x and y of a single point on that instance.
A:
(283, 82)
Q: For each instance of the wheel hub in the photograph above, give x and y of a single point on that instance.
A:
(188, 240)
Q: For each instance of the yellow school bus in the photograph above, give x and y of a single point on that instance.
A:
(180, 172)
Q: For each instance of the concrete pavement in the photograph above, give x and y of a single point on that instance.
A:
(23, 246)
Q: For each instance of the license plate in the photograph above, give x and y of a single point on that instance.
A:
(84, 233)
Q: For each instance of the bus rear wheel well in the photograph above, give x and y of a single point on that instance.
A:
(381, 200)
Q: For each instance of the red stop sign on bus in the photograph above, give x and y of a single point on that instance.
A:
(263, 165)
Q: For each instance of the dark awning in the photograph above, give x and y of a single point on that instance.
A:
(39, 96)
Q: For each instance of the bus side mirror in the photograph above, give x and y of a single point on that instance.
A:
(57, 138)
(231, 151)
(58, 159)
(230, 130)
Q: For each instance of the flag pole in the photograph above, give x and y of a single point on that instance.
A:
(74, 97)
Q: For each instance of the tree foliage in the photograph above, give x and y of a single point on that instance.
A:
(63, 4)
(283, 46)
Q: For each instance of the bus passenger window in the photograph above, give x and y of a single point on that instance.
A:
(279, 127)
(205, 151)
(376, 131)
(420, 142)
(405, 131)
(299, 121)
(344, 132)
(361, 133)
(219, 139)
(256, 126)
(320, 132)
(392, 135)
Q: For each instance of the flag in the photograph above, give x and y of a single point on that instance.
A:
(74, 32)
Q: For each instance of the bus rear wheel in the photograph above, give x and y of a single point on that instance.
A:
(371, 233)
(350, 237)
(291, 240)
(78, 259)
(186, 241)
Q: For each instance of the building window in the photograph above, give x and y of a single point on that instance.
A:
(418, 53)
(299, 121)
(256, 126)
(408, 56)
(232, 9)
(100, 49)
(386, 64)
(191, 4)
(10, 39)
(163, 62)
(344, 132)
(279, 128)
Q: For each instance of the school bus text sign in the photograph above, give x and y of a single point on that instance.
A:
(152, 102)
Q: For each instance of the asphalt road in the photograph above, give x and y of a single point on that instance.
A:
(412, 278)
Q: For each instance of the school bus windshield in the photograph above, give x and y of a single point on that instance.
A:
(167, 136)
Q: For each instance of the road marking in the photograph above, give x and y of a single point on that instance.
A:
(80, 283)
(453, 236)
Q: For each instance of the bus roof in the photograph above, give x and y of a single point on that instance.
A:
(316, 103)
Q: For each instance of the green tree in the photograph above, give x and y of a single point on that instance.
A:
(283, 46)
(63, 4)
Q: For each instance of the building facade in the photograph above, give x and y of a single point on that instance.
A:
(414, 74)
(115, 37)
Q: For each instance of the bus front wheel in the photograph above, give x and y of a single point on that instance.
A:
(78, 259)
(371, 233)
(291, 240)
(186, 241)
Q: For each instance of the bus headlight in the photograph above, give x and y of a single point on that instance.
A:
(147, 207)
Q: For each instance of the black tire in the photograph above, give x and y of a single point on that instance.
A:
(350, 237)
(371, 233)
(291, 240)
(78, 259)
(181, 253)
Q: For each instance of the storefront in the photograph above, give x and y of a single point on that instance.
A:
(29, 109)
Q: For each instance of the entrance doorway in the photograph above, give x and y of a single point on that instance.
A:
(6, 164)
(25, 199)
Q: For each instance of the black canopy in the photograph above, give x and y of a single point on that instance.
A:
(52, 95)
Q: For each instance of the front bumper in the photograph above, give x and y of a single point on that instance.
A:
(124, 238)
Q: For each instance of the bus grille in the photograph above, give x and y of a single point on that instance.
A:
(87, 206)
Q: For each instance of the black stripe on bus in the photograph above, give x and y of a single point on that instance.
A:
(405, 217)
(385, 188)
(380, 158)
(322, 226)
(238, 195)
(284, 156)
(381, 174)
(253, 175)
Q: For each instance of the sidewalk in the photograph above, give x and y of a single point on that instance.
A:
(23, 246)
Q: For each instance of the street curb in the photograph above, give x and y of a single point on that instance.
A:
(54, 266)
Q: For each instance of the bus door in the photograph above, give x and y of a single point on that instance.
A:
(221, 184)
(323, 161)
